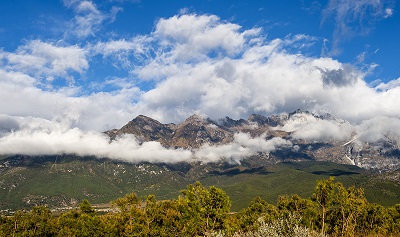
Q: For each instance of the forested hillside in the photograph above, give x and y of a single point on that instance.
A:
(332, 210)
(64, 181)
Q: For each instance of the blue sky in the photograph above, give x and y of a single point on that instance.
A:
(73, 68)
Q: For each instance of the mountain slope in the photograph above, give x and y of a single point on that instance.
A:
(63, 181)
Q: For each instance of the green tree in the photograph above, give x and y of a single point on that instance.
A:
(376, 219)
(323, 195)
(163, 218)
(86, 208)
(76, 223)
(296, 205)
(248, 217)
(37, 222)
(203, 210)
(394, 213)
(346, 210)
(130, 220)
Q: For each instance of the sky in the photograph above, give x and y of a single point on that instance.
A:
(75, 68)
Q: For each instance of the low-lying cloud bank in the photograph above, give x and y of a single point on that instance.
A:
(33, 136)
(42, 137)
(242, 146)
(308, 127)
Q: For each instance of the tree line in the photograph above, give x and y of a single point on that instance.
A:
(333, 210)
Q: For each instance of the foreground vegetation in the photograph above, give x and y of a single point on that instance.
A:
(333, 210)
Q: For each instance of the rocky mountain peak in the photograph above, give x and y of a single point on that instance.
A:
(195, 119)
(147, 129)
(257, 118)
(197, 131)
(273, 120)
(229, 123)
(144, 120)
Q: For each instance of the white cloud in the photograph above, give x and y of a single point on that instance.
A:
(17, 79)
(40, 59)
(379, 128)
(195, 36)
(7, 124)
(307, 127)
(88, 19)
(232, 152)
(242, 146)
(393, 84)
(99, 111)
(124, 52)
(388, 12)
(260, 144)
(42, 137)
(260, 77)
(35, 136)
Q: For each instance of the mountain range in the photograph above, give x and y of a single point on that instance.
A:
(257, 156)
(288, 133)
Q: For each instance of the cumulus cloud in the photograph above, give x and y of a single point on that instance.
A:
(339, 77)
(253, 75)
(195, 36)
(263, 78)
(40, 59)
(101, 111)
(393, 84)
(7, 124)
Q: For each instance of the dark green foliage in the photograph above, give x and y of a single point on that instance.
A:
(27, 223)
(323, 196)
(247, 218)
(305, 208)
(86, 208)
(203, 210)
(333, 209)
(76, 223)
